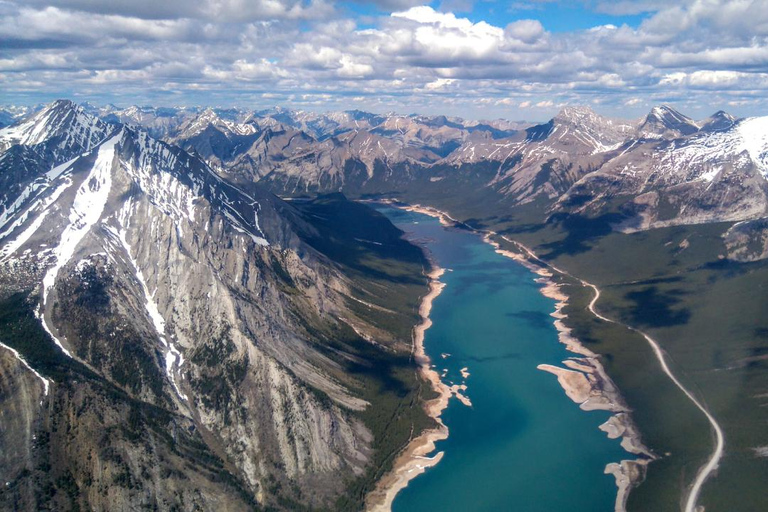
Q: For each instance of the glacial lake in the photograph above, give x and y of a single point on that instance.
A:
(523, 445)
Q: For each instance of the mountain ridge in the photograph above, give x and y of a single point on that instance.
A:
(191, 295)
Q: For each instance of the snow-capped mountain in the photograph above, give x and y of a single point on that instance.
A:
(667, 123)
(61, 124)
(709, 176)
(718, 121)
(53, 136)
(195, 321)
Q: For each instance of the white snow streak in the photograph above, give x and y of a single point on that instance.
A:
(46, 382)
(172, 357)
(12, 246)
(41, 205)
(754, 133)
(86, 210)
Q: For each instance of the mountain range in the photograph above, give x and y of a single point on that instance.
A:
(662, 170)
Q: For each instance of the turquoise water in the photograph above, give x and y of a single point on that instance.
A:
(523, 445)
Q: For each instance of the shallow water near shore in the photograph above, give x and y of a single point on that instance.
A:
(523, 445)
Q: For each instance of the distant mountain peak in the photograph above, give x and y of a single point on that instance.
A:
(575, 112)
(664, 121)
(719, 121)
(666, 113)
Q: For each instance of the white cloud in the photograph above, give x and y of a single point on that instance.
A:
(527, 31)
(441, 38)
(351, 69)
(718, 80)
(210, 10)
(440, 83)
(698, 50)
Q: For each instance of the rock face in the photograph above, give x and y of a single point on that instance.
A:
(203, 343)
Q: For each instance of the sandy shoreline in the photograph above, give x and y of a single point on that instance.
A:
(413, 461)
(583, 378)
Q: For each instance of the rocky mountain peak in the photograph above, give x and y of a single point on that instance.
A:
(64, 122)
(665, 122)
(583, 127)
(576, 113)
(719, 121)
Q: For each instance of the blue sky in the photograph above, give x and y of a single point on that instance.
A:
(555, 16)
(474, 58)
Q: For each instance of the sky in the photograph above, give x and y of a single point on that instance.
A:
(520, 60)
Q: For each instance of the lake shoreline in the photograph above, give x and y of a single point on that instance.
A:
(414, 460)
(583, 378)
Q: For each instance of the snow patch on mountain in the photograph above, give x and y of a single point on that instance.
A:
(35, 190)
(706, 153)
(86, 210)
(209, 117)
(754, 134)
(173, 358)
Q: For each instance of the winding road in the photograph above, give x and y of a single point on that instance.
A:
(717, 454)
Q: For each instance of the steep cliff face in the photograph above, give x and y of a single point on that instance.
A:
(195, 323)
(20, 401)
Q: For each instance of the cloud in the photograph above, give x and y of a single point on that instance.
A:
(411, 55)
(718, 80)
(440, 83)
(630, 7)
(210, 10)
(527, 31)
(441, 39)
(349, 68)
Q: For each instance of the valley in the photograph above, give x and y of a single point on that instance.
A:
(232, 255)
